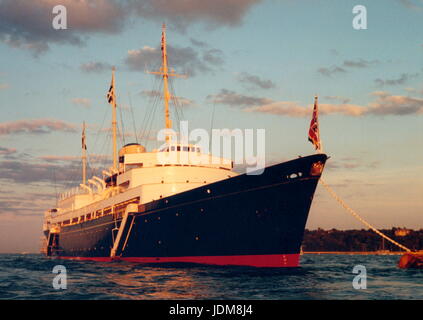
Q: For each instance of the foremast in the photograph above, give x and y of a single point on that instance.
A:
(164, 72)
(111, 98)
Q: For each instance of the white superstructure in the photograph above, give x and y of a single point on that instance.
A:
(137, 176)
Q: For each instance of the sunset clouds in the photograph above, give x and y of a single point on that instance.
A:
(28, 24)
(35, 126)
(383, 104)
(187, 59)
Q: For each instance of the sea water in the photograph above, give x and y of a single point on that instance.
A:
(30, 276)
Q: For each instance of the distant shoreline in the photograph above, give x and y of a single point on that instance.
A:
(357, 252)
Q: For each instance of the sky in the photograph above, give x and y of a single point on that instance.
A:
(249, 64)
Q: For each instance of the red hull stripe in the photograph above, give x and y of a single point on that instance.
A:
(268, 260)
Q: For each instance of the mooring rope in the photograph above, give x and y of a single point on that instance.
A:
(357, 216)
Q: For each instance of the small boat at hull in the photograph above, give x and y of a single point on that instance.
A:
(412, 260)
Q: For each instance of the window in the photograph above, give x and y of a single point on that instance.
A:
(172, 148)
(178, 148)
(185, 148)
(198, 150)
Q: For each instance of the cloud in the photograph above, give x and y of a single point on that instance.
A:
(95, 67)
(338, 98)
(30, 172)
(35, 126)
(328, 72)
(181, 13)
(82, 102)
(234, 99)
(414, 90)
(255, 81)
(198, 43)
(413, 4)
(359, 63)
(7, 151)
(387, 104)
(293, 109)
(393, 82)
(384, 104)
(28, 24)
(4, 86)
(186, 59)
(93, 158)
(213, 57)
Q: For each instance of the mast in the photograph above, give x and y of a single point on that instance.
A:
(166, 95)
(164, 72)
(84, 156)
(111, 98)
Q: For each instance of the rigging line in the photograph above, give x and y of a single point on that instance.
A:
(211, 124)
(55, 186)
(106, 143)
(121, 122)
(178, 104)
(175, 101)
(147, 115)
(119, 133)
(145, 122)
(100, 129)
(358, 217)
(133, 117)
(147, 129)
(158, 100)
(150, 126)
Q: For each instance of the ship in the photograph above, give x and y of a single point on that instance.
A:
(145, 211)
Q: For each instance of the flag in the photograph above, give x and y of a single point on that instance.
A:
(111, 98)
(313, 132)
(84, 145)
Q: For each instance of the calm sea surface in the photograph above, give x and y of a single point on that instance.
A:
(320, 277)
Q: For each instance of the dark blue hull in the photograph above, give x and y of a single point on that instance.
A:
(245, 220)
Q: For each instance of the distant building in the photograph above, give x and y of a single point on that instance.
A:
(402, 232)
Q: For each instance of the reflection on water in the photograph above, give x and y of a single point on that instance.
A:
(319, 277)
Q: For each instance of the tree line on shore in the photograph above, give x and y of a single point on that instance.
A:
(360, 240)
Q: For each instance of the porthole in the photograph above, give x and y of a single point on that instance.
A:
(208, 191)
